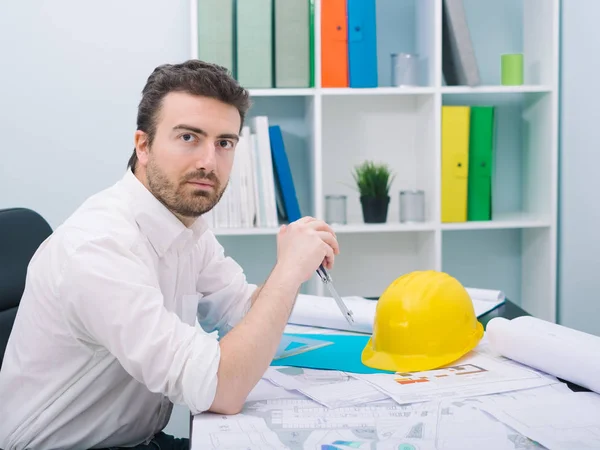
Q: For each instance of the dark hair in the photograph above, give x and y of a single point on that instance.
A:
(195, 77)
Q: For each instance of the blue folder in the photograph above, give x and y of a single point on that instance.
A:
(362, 43)
(335, 352)
(283, 174)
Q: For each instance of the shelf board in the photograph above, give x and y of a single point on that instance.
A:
(282, 92)
(341, 229)
(387, 90)
(245, 231)
(378, 91)
(389, 227)
(503, 221)
(495, 89)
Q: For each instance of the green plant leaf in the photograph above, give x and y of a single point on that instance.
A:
(373, 180)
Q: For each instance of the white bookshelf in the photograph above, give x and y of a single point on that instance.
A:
(328, 131)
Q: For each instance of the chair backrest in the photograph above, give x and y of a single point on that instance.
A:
(21, 233)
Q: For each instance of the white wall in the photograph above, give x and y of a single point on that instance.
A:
(579, 231)
(71, 75)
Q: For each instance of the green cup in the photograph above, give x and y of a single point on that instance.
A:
(512, 69)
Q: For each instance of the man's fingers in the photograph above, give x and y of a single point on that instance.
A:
(319, 225)
(306, 219)
(329, 258)
(330, 240)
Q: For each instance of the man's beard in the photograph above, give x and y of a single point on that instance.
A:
(179, 199)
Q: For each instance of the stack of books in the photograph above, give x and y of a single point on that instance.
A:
(261, 191)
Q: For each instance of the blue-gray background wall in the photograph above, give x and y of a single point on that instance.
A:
(579, 230)
(71, 75)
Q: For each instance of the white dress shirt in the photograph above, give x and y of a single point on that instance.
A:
(105, 338)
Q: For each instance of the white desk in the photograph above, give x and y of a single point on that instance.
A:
(275, 418)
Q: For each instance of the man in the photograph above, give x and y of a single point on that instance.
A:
(105, 338)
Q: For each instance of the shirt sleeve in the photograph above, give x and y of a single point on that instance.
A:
(226, 294)
(112, 301)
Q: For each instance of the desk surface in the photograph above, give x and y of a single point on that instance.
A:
(508, 310)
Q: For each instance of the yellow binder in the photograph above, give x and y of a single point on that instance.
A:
(455, 162)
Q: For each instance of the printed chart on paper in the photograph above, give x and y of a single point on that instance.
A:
(303, 424)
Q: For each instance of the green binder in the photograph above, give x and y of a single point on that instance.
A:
(291, 43)
(254, 43)
(481, 144)
(215, 32)
(311, 41)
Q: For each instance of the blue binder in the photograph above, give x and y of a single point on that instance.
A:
(283, 174)
(362, 43)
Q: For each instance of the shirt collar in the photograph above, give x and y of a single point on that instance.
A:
(162, 228)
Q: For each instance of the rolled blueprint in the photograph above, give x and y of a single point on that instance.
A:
(566, 353)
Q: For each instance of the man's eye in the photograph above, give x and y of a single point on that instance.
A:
(187, 137)
(226, 144)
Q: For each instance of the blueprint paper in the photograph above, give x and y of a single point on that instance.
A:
(330, 388)
(322, 312)
(557, 420)
(486, 295)
(303, 329)
(554, 349)
(483, 306)
(301, 424)
(473, 375)
(265, 390)
(274, 419)
(344, 354)
(462, 426)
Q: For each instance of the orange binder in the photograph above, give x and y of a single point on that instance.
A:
(334, 44)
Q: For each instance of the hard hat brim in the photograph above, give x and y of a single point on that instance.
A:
(416, 363)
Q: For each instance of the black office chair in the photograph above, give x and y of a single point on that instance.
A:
(21, 233)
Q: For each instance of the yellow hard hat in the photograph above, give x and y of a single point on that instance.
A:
(424, 320)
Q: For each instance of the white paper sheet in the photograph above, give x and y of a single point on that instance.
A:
(213, 431)
(473, 375)
(330, 388)
(557, 420)
(322, 312)
(462, 426)
(483, 306)
(486, 295)
(563, 352)
(275, 419)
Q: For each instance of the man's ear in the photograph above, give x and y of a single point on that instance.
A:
(142, 148)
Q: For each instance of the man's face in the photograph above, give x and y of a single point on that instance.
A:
(187, 166)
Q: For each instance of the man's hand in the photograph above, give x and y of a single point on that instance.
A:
(303, 245)
(248, 349)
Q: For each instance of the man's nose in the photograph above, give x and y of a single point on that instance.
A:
(207, 158)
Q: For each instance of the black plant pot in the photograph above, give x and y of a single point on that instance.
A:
(374, 209)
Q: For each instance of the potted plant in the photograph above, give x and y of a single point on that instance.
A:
(373, 182)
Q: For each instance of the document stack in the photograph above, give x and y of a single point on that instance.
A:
(508, 393)
(261, 191)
